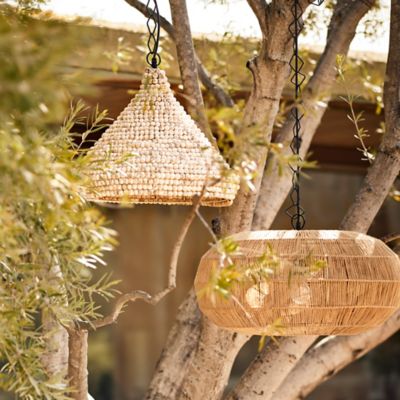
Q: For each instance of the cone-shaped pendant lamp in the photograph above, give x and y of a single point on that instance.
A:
(299, 282)
(154, 152)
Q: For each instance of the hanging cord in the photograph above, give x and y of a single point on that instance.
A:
(295, 211)
(153, 26)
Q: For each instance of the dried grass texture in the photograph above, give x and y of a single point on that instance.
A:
(155, 153)
(358, 289)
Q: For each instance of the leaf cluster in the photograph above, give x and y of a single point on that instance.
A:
(50, 238)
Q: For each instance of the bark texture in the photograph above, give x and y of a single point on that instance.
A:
(77, 364)
(271, 364)
(314, 101)
(177, 353)
(329, 357)
(55, 358)
(210, 368)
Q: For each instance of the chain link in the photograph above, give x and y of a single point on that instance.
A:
(153, 26)
(295, 211)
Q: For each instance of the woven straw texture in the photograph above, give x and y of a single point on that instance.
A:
(357, 289)
(155, 153)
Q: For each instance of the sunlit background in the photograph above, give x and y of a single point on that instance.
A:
(208, 17)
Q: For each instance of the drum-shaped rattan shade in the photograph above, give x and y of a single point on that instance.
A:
(155, 153)
(357, 289)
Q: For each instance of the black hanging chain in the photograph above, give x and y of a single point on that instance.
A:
(153, 26)
(295, 211)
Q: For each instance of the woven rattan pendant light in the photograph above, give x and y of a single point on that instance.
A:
(299, 282)
(154, 152)
(358, 289)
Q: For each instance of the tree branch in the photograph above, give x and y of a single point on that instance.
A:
(77, 367)
(315, 98)
(144, 296)
(187, 65)
(216, 90)
(271, 364)
(330, 356)
(222, 97)
(384, 170)
(142, 8)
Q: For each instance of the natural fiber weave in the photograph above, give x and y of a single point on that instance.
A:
(155, 153)
(358, 289)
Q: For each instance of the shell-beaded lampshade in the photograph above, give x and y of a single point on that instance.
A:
(320, 283)
(155, 153)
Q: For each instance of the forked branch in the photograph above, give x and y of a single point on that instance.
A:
(315, 97)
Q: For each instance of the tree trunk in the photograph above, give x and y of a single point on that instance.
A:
(209, 371)
(55, 357)
(386, 166)
(383, 172)
(77, 364)
(315, 97)
(270, 71)
(177, 353)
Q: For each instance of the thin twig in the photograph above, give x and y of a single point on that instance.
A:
(144, 296)
(207, 226)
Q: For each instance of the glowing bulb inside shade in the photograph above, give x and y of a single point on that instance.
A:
(300, 294)
(256, 294)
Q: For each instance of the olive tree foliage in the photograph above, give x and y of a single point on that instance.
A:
(50, 238)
